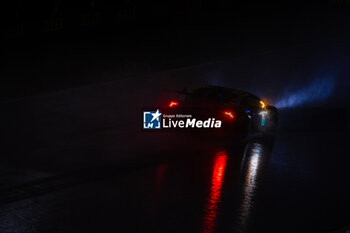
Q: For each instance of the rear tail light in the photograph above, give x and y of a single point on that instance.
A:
(229, 114)
(173, 104)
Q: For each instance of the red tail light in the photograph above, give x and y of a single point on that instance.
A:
(229, 114)
(173, 103)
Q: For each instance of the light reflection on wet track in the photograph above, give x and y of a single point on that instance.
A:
(215, 190)
(258, 186)
(252, 155)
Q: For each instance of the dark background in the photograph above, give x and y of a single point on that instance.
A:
(76, 75)
(51, 45)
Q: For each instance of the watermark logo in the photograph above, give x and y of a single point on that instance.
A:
(152, 120)
(170, 120)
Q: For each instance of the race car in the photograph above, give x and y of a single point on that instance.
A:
(238, 110)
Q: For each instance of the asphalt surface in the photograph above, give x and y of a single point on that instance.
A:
(295, 182)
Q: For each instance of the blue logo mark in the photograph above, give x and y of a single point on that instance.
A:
(151, 120)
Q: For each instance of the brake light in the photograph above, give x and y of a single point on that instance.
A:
(229, 114)
(173, 103)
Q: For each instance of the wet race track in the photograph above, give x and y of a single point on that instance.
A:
(76, 160)
(292, 183)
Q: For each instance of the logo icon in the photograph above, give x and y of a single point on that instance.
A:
(151, 120)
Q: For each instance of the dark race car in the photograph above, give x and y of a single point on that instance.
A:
(239, 111)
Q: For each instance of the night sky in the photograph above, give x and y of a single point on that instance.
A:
(54, 45)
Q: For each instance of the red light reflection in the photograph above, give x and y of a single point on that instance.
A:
(215, 190)
(160, 175)
(157, 191)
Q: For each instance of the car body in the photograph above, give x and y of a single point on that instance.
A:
(238, 110)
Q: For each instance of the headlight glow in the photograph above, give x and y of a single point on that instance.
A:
(263, 113)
